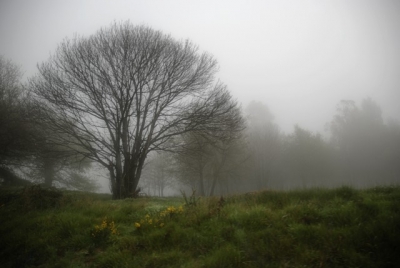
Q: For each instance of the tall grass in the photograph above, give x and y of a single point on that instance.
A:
(340, 227)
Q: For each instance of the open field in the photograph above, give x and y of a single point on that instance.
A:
(309, 228)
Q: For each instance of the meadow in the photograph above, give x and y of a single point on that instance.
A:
(340, 227)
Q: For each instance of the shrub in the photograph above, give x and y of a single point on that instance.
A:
(36, 197)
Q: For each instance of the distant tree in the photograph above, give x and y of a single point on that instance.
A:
(392, 153)
(55, 167)
(126, 91)
(207, 156)
(228, 167)
(352, 124)
(308, 160)
(10, 87)
(16, 135)
(23, 144)
(158, 174)
(264, 142)
(194, 161)
(258, 115)
(77, 179)
(362, 140)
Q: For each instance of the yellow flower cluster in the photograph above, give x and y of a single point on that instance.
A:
(158, 220)
(106, 227)
(171, 211)
(148, 221)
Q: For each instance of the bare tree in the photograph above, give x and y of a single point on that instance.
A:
(208, 155)
(264, 142)
(126, 91)
(194, 160)
(158, 174)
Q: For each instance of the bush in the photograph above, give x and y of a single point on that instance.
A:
(37, 197)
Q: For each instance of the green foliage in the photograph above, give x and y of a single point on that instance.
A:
(314, 228)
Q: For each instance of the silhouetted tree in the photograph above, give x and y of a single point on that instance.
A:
(126, 91)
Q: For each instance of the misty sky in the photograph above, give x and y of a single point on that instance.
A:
(298, 57)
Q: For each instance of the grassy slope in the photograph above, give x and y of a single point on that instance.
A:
(311, 228)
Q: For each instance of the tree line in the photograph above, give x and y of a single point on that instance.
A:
(361, 150)
(149, 110)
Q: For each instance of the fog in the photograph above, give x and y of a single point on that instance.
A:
(297, 59)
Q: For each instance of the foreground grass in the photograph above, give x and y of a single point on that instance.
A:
(311, 228)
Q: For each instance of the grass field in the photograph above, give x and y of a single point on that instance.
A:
(309, 228)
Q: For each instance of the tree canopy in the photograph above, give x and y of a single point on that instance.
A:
(126, 91)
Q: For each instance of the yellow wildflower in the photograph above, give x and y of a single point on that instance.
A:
(104, 224)
(171, 209)
(112, 228)
(137, 225)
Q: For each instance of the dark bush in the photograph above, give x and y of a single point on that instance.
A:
(38, 197)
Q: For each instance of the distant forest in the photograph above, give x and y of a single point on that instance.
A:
(362, 151)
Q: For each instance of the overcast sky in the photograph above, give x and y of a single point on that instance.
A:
(300, 58)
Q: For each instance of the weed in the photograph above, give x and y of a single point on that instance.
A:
(192, 201)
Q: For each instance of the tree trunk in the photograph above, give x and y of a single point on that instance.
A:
(125, 179)
(136, 173)
(216, 175)
(214, 181)
(201, 183)
(115, 180)
(48, 172)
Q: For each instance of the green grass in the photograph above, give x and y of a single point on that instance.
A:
(341, 227)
